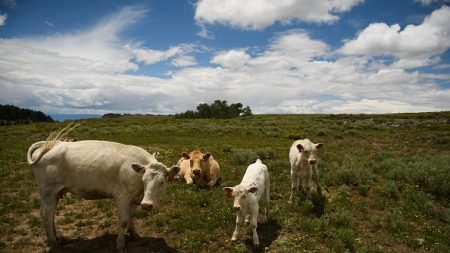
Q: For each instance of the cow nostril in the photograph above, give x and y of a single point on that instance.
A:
(196, 172)
(236, 208)
(146, 206)
(312, 161)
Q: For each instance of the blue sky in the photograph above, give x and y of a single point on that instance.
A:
(286, 56)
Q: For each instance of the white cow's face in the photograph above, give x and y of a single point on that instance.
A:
(155, 177)
(240, 195)
(308, 150)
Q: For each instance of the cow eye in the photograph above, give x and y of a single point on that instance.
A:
(243, 196)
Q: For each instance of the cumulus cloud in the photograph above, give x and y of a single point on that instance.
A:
(231, 59)
(3, 18)
(414, 46)
(429, 2)
(258, 14)
(293, 73)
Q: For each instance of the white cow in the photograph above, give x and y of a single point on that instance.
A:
(247, 194)
(97, 170)
(302, 156)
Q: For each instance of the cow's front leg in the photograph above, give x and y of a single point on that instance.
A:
(254, 225)
(315, 172)
(295, 177)
(308, 181)
(123, 215)
(239, 221)
(131, 229)
(188, 178)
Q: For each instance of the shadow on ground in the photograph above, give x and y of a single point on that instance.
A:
(107, 244)
(267, 232)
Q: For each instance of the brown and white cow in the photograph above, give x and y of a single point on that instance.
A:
(97, 170)
(199, 168)
(303, 159)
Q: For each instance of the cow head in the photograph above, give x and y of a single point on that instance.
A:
(241, 195)
(155, 176)
(197, 161)
(308, 150)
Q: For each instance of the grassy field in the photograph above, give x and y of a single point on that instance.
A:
(386, 181)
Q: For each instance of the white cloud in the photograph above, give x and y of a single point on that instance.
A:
(184, 61)
(429, 2)
(179, 54)
(414, 46)
(3, 18)
(258, 14)
(89, 72)
(231, 59)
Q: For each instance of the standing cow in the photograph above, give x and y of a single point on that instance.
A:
(247, 194)
(97, 170)
(302, 156)
(199, 168)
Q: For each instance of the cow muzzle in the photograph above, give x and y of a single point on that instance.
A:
(147, 206)
(196, 171)
(237, 208)
(312, 162)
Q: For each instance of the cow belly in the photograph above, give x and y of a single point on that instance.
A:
(92, 194)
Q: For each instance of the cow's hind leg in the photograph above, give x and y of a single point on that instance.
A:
(48, 207)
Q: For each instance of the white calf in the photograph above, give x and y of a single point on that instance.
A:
(247, 194)
(302, 156)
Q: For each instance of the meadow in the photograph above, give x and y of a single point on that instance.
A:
(385, 181)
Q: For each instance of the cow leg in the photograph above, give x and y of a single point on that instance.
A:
(247, 219)
(212, 183)
(295, 177)
(254, 225)
(131, 228)
(188, 179)
(123, 210)
(308, 182)
(316, 179)
(239, 220)
(267, 199)
(48, 208)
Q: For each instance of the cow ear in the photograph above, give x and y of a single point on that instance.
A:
(206, 156)
(172, 172)
(319, 145)
(253, 189)
(228, 191)
(186, 155)
(300, 147)
(138, 168)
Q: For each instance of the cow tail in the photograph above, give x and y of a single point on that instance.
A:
(31, 150)
(52, 139)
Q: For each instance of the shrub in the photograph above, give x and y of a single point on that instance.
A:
(243, 157)
(389, 190)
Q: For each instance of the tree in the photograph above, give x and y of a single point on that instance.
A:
(219, 109)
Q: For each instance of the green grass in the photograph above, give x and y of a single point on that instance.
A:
(385, 182)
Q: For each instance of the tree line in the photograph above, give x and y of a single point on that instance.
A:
(219, 109)
(10, 114)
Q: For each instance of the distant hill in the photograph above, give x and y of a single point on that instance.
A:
(62, 117)
(13, 114)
